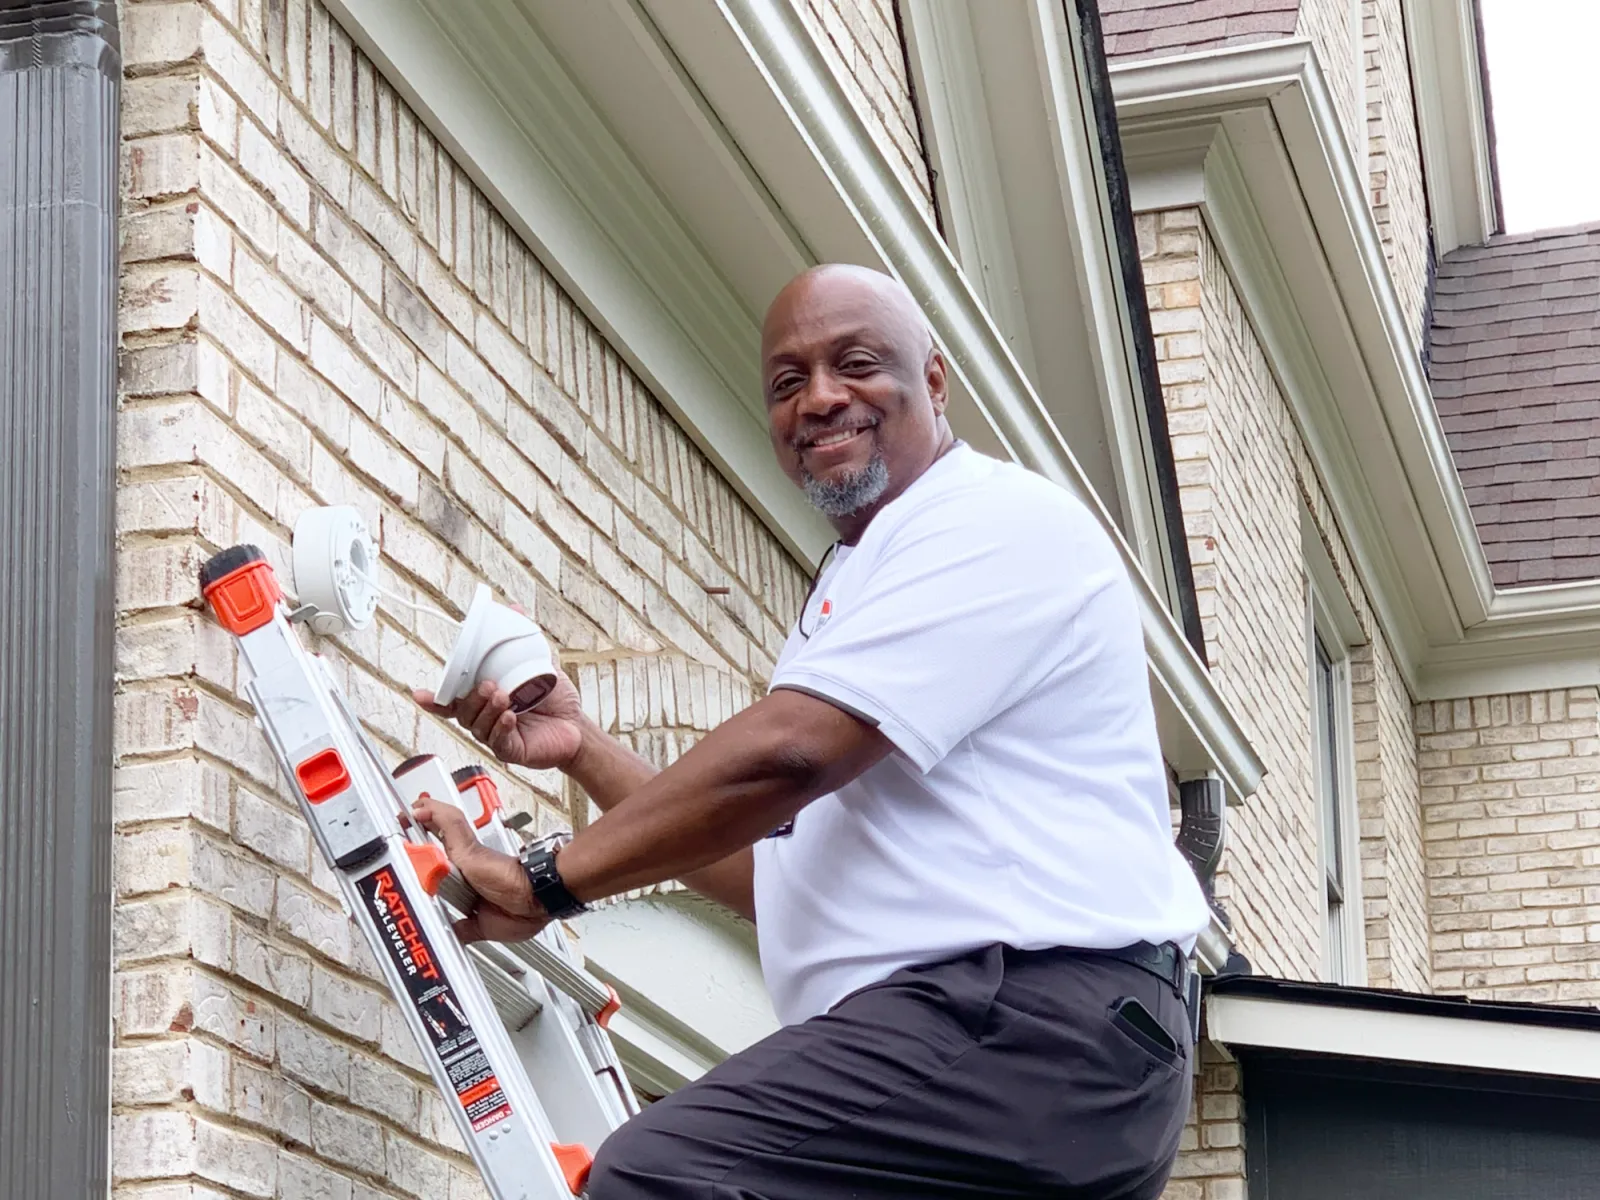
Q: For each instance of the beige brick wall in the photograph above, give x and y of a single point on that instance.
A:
(1241, 509)
(1394, 885)
(1243, 474)
(1394, 161)
(1210, 1162)
(1511, 805)
(861, 39)
(319, 307)
(1334, 28)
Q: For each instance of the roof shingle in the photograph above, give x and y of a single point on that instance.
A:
(1515, 367)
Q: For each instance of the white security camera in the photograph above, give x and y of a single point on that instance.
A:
(501, 644)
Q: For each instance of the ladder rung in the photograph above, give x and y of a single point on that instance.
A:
(511, 999)
(592, 995)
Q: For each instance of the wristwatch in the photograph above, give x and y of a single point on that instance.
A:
(538, 859)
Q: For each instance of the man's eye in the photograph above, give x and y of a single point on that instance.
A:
(783, 385)
(858, 363)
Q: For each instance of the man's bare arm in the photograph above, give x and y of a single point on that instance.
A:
(609, 772)
(703, 813)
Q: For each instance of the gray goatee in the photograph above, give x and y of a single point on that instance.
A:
(848, 494)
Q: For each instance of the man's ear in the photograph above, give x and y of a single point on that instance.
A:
(934, 374)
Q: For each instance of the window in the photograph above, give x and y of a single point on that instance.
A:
(1331, 629)
(1331, 787)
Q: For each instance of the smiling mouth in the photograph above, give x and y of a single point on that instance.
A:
(835, 438)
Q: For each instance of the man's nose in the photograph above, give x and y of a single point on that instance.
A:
(824, 394)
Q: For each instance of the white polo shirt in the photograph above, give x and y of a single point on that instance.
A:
(986, 624)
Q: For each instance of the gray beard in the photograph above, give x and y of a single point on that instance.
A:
(847, 496)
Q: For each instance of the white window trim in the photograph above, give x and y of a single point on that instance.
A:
(1331, 619)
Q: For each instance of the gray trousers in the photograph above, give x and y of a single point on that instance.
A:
(1001, 1073)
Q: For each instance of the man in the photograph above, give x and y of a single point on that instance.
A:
(948, 819)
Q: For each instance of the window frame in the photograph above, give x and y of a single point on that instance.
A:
(1331, 623)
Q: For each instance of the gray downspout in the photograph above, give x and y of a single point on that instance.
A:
(60, 88)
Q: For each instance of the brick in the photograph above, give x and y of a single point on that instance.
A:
(385, 348)
(369, 210)
(468, 372)
(265, 294)
(314, 400)
(314, 278)
(235, 1159)
(157, 36)
(374, 456)
(508, 360)
(346, 1138)
(245, 78)
(277, 969)
(449, 408)
(152, 1145)
(379, 1087)
(262, 161)
(263, 1099)
(218, 114)
(345, 1006)
(312, 921)
(159, 296)
(349, 252)
(416, 1171)
(306, 1179)
(411, 314)
(245, 208)
(334, 360)
(156, 104)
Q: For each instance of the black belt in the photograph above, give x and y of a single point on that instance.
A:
(1166, 962)
(1170, 965)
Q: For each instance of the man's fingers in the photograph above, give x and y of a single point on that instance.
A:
(467, 931)
(504, 739)
(426, 700)
(449, 824)
(497, 704)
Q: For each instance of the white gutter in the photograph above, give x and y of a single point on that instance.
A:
(1464, 1043)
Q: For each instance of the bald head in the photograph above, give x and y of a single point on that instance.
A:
(832, 287)
(855, 390)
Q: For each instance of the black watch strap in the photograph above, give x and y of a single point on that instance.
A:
(539, 864)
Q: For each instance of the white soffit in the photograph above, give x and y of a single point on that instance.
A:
(1250, 136)
(1460, 1042)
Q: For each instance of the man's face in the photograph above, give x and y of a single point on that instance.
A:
(853, 391)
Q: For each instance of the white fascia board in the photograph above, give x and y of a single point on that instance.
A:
(1452, 120)
(791, 117)
(1250, 136)
(490, 88)
(1459, 1042)
(1023, 195)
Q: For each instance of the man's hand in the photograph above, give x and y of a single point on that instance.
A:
(547, 736)
(506, 910)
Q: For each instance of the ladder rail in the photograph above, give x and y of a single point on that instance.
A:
(455, 999)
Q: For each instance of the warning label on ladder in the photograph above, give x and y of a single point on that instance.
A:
(449, 1031)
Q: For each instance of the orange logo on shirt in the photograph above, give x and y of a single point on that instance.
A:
(824, 612)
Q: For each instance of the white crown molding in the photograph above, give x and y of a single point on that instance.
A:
(1250, 136)
(1447, 84)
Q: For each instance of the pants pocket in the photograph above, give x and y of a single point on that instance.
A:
(1135, 1022)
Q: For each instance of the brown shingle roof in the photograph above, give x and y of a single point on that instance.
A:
(1148, 28)
(1515, 365)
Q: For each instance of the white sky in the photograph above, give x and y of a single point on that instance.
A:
(1544, 77)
